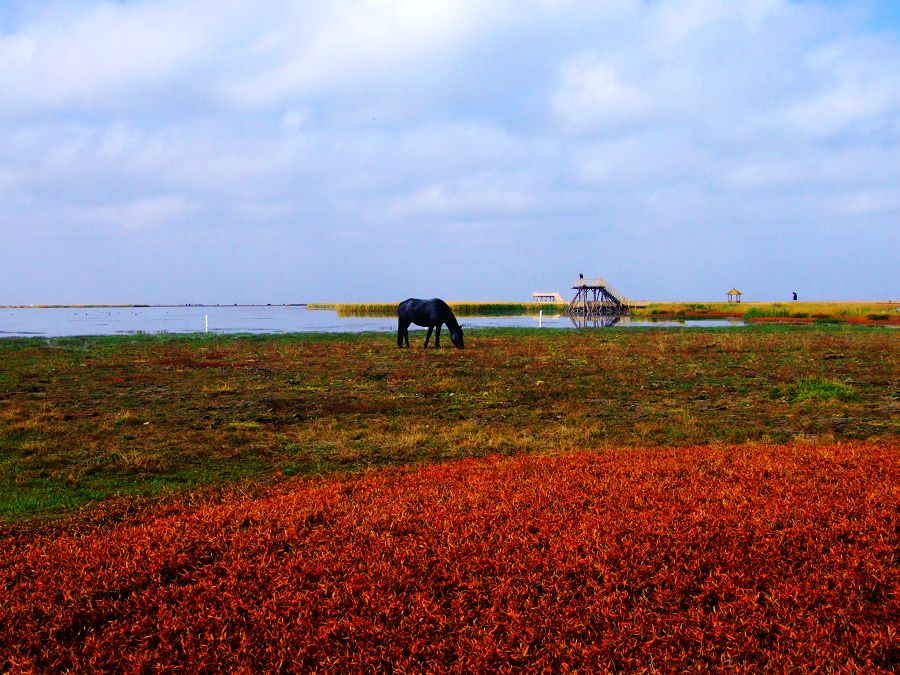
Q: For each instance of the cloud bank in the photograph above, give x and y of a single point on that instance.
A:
(201, 151)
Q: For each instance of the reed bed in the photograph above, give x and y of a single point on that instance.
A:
(886, 311)
(871, 311)
(459, 308)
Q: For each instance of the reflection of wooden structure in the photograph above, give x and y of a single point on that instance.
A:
(595, 321)
(541, 296)
(734, 295)
(595, 297)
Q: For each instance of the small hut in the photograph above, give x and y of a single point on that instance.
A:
(734, 295)
(546, 296)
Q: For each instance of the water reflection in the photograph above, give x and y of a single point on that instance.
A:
(626, 321)
(595, 320)
(56, 322)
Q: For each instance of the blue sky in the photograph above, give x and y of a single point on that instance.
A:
(365, 150)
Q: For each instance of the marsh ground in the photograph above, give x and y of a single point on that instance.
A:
(84, 419)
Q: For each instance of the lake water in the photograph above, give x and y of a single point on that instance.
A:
(71, 321)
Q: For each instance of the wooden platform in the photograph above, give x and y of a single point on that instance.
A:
(595, 297)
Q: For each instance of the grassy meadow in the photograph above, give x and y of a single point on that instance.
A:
(88, 418)
(555, 500)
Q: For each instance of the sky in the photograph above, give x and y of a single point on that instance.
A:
(219, 151)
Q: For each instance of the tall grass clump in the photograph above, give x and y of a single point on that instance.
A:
(817, 389)
(769, 311)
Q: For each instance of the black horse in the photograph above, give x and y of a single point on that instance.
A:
(428, 314)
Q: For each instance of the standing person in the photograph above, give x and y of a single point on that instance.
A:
(795, 295)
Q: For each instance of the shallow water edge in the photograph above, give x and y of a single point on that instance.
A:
(78, 321)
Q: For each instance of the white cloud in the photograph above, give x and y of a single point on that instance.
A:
(857, 86)
(150, 212)
(293, 120)
(756, 173)
(476, 196)
(642, 159)
(8, 180)
(869, 202)
(79, 57)
(616, 126)
(848, 169)
(592, 93)
(356, 45)
(675, 23)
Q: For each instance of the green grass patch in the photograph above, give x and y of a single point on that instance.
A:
(817, 389)
(772, 311)
(83, 419)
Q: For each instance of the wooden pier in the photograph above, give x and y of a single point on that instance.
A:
(595, 297)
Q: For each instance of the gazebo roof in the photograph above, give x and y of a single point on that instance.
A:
(734, 291)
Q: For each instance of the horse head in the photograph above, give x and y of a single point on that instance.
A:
(456, 337)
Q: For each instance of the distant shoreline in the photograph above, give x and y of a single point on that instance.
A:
(126, 306)
(337, 305)
(791, 310)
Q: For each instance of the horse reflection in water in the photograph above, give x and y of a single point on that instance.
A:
(430, 314)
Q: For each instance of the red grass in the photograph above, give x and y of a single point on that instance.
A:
(751, 557)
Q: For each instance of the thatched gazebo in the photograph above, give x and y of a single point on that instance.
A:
(734, 295)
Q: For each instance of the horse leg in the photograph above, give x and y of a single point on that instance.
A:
(428, 337)
(437, 337)
(402, 332)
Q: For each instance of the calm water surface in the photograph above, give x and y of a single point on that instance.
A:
(71, 321)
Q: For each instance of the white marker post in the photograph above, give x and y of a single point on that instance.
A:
(206, 318)
(541, 319)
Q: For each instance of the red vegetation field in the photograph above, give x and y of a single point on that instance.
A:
(748, 557)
